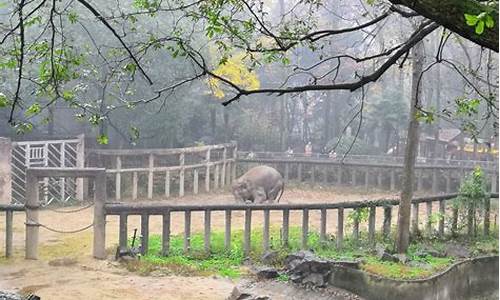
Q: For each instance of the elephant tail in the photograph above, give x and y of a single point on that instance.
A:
(281, 194)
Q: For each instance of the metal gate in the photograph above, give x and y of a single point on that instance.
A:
(53, 153)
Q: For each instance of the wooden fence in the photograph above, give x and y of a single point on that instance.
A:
(166, 170)
(145, 211)
(437, 178)
(9, 210)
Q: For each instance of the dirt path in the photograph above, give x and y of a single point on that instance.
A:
(81, 277)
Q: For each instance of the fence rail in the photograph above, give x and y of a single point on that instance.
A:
(145, 211)
(9, 210)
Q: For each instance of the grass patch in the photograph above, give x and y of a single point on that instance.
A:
(231, 263)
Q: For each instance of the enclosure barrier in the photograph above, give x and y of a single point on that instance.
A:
(9, 210)
(383, 176)
(215, 163)
(145, 211)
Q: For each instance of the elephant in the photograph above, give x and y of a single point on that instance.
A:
(259, 184)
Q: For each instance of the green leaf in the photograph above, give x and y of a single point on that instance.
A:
(68, 95)
(130, 67)
(102, 139)
(72, 17)
(490, 23)
(480, 27)
(471, 20)
(34, 109)
(4, 102)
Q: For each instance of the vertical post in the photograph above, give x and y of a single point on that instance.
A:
(434, 181)
(144, 234)
(80, 163)
(340, 227)
(486, 222)
(118, 178)
(305, 227)
(167, 183)
(286, 223)
(134, 185)
(235, 157)
(393, 180)
(122, 238)
(429, 217)
(387, 221)
(355, 226)
(99, 250)
(151, 160)
(208, 214)
(227, 233)
(414, 218)
(195, 181)
(165, 243)
(62, 179)
(223, 174)
(441, 217)
(299, 172)
(181, 175)
(371, 224)
(216, 176)
(265, 234)
(322, 229)
(494, 183)
(187, 231)
(207, 172)
(8, 233)
(247, 232)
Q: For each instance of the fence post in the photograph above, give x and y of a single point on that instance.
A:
(227, 233)
(165, 245)
(486, 222)
(151, 160)
(434, 181)
(494, 183)
(195, 181)
(118, 178)
(207, 230)
(99, 250)
(441, 217)
(167, 183)
(371, 224)
(286, 222)
(134, 185)
(207, 172)
(144, 234)
(8, 233)
(80, 163)
(247, 232)
(265, 234)
(340, 227)
(414, 218)
(181, 175)
(305, 227)
(187, 231)
(5, 170)
(235, 157)
(387, 221)
(122, 238)
(216, 176)
(355, 226)
(322, 231)
(429, 217)
(223, 174)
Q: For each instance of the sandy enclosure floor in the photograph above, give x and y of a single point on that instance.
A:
(86, 278)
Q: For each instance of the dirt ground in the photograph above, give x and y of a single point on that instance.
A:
(66, 270)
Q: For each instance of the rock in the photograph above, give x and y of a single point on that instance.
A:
(9, 296)
(418, 264)
(402, 258)
(316, 279)
(266, 273)
(237, 294)
(270, 257)
(127, 258)
(62, 262)
(456, 250)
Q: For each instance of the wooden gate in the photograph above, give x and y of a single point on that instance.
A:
(65, 153)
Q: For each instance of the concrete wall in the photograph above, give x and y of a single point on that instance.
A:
(5, 171)
(464, 280)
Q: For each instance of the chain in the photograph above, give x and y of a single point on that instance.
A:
(33, 223)
(70, 211)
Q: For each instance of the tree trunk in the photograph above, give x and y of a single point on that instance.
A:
(412, 139)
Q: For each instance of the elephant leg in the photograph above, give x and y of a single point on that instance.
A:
(274, 192)
(259, 195)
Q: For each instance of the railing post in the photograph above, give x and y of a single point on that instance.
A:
(371, 224)
(387, 221)
(207, 172)
(165, 245)
(247, 232)
(122, 238)
(286, 223)
(118, 178)
(8, 233)
(187, 231)
(265, 234)
(414, 218)
(144, 234)
(235, 157)
(151, 160)
(340, 227)
(207, 230)
(181, 175)
(81, 183)
(195, 181)
(167, 183)
(305, 227)
(99, 250)
(134, 185)
(227, 233)
(322, 230)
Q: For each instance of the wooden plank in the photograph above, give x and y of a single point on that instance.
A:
(248, 232)
(9, 216)
(165, 245)
(167, 183)
(195, 181)
(371, 224)
(151, 166)
(144, 234)
(122, 238)
(340, 227)
(441, 217)
(187, 231)
(386, 227)
(429, 218)
(118, 178)
(265, 234)
(134, 185)
(414, 218)
(305, 227)
(227, 232)
(322, 229)
(286, 223)
(208, 215)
